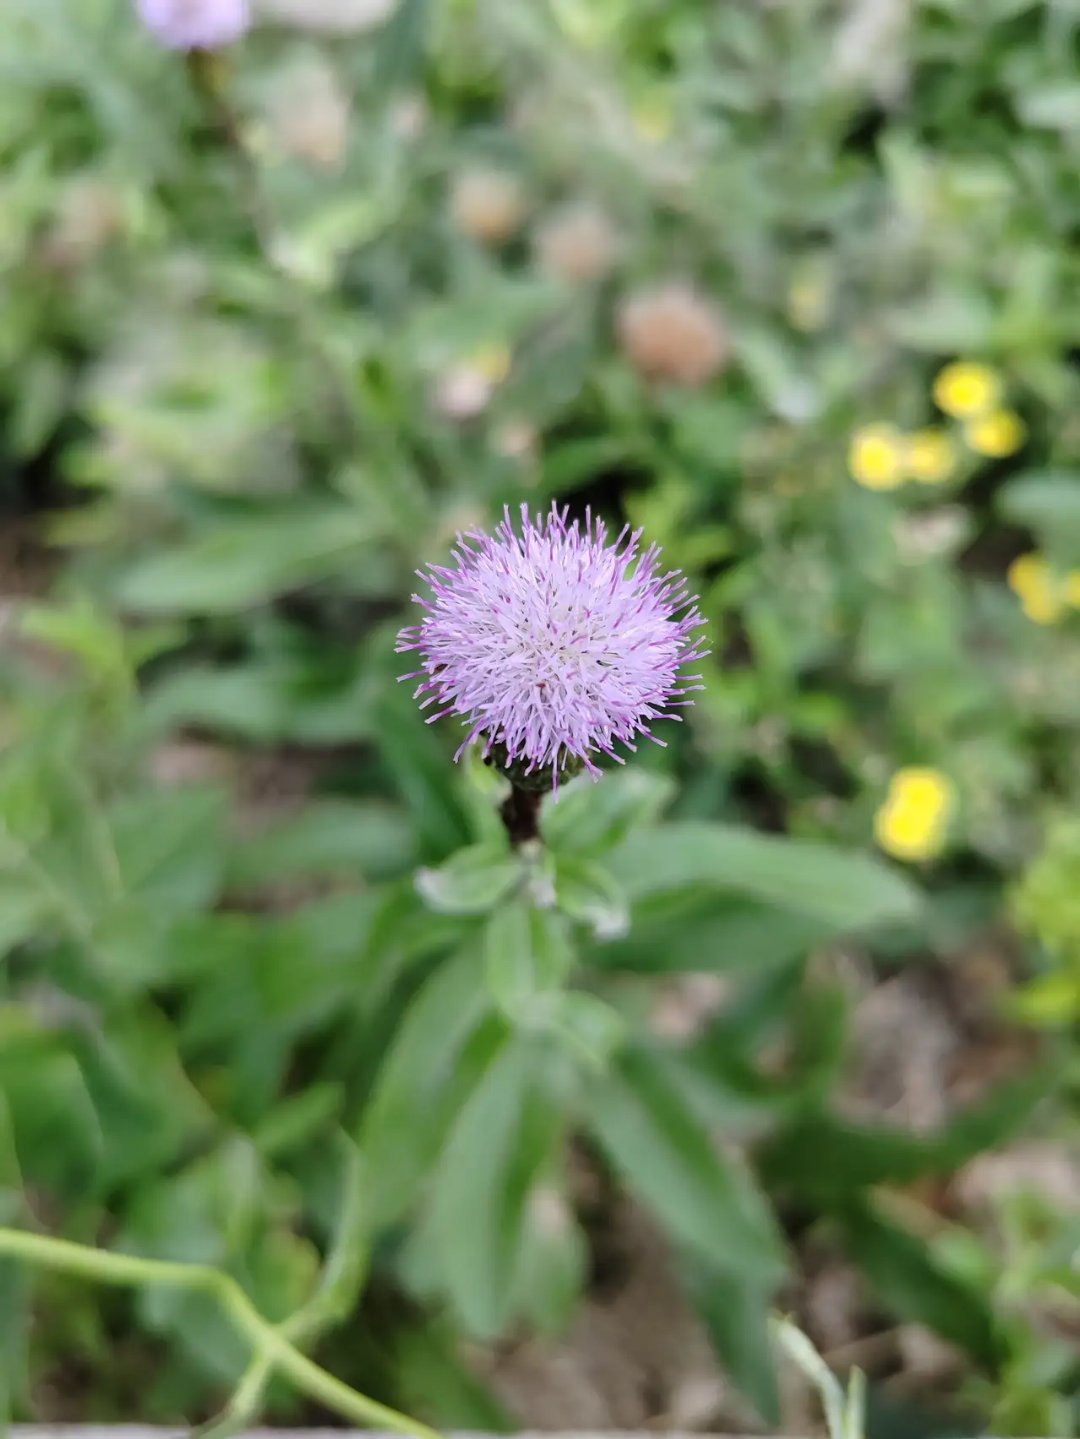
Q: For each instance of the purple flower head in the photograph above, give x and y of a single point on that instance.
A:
(553, 644)
(195, 24)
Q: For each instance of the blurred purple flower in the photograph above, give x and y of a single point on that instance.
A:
(195, 24)
(554, 644)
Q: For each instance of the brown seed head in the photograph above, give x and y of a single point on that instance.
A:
(88, 216)
(488, 205)
(309, 115)
(672, 332)
(577, 244)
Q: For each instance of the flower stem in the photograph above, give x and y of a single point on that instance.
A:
(521, 815)
(267, 1341)
(209, 74)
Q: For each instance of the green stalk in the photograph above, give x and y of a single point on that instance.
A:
(268, 1343)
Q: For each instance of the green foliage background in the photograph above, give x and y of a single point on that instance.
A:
(220, 371)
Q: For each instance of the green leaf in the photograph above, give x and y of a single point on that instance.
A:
(435, 1381)
(289, 978)
(80, 629)
(401, 44)
(421, 768)
(916, 1286)
(207, 1213)
(317, 697)
(170, 846)
(282, 1268)
(705, 1201)
(315, 249)
(1001, 1115)
(246, 563)
(1047, 502)
(57, 1135)
(42, 399)
(589, 819)
(146, 1108)
(589, 1028)
(589, 894)
(1049, 1001)
(716, 934)
(473, 881)
(736, 1312)
(797, 1349)
(399, 933)
(15, 1322)
(528, 959)
(345, 1271)
(327, 837)
(10, 1175)
(954, 318)
(204, 1212)
(847, 891)
(830, 1157)
(553, 1264)
(550, 369)
(65, 853)
(297, 1119)
(444, 1043)
(501, 1141)
(772, 365)
(1054, 106)
(571, 463)
(23, 913)
(526, 955)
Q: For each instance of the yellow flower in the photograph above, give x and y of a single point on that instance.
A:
(913, 821)
(876, 457)
(931, 456)
(996, 435)
(465, 389)
(1044, 595)
(492, 362)
(808, 302)
(966, 389)
(653, 118)
(588, 23)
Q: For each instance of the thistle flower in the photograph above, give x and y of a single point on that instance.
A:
(195, 24)
(553, 644)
